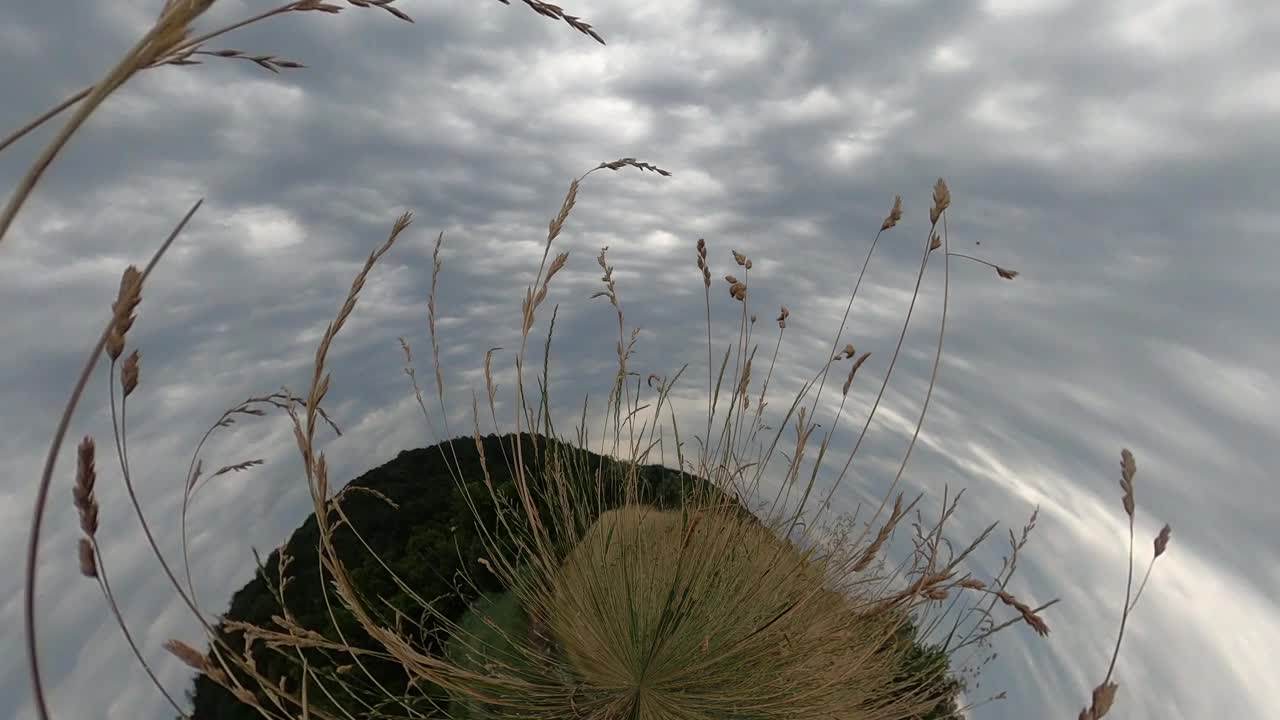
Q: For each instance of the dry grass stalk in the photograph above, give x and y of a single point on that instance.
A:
(555, 12)
(611, 287)
(436, 265)
(1104, 693)
(852, 370)
(129, 373)
(187, 654)
(556, 265)
(488, 373)
(170, 29)
(167, 42)
(1003, 272)
(941, 201)
(1161, 542)
(320, 383)
(1029, 616)
(267, 62)
(1103, 697)
(237, 467)
(382, 5)
(940, 193)
(86, 504)
(46, 480)
(127, 299)
(631, 162)
(566, 206)
(413, 375)
(1128, 468)
(86, 477)
(702, 263)
(42, 496)
(895, 214)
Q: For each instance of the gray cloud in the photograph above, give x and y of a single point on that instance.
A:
(1119, 155)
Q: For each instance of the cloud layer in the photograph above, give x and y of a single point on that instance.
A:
(1120, 155)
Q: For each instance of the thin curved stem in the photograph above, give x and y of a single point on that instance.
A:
(970, 257)
(1142, 585)
(937, 360)
(835, 343)
(1115, 654)
(893, 361)
(46, 479)
(105, 586)
(85, 92)
(53, 112)
(160, 40)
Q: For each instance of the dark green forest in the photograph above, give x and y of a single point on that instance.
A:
(431, 538)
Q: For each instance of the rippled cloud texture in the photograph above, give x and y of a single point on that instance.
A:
(1121, 155)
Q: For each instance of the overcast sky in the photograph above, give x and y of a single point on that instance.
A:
(1121, 155)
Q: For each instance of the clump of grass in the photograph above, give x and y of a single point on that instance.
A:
(705, 610)
(663, 618)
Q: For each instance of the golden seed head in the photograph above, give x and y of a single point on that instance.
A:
(1162, 540)
(127, 299)
(1128, 468)
(941, 195)
(556, 266)
(129, 373)
(1103, 697)
(895, 214)
(187, 654)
